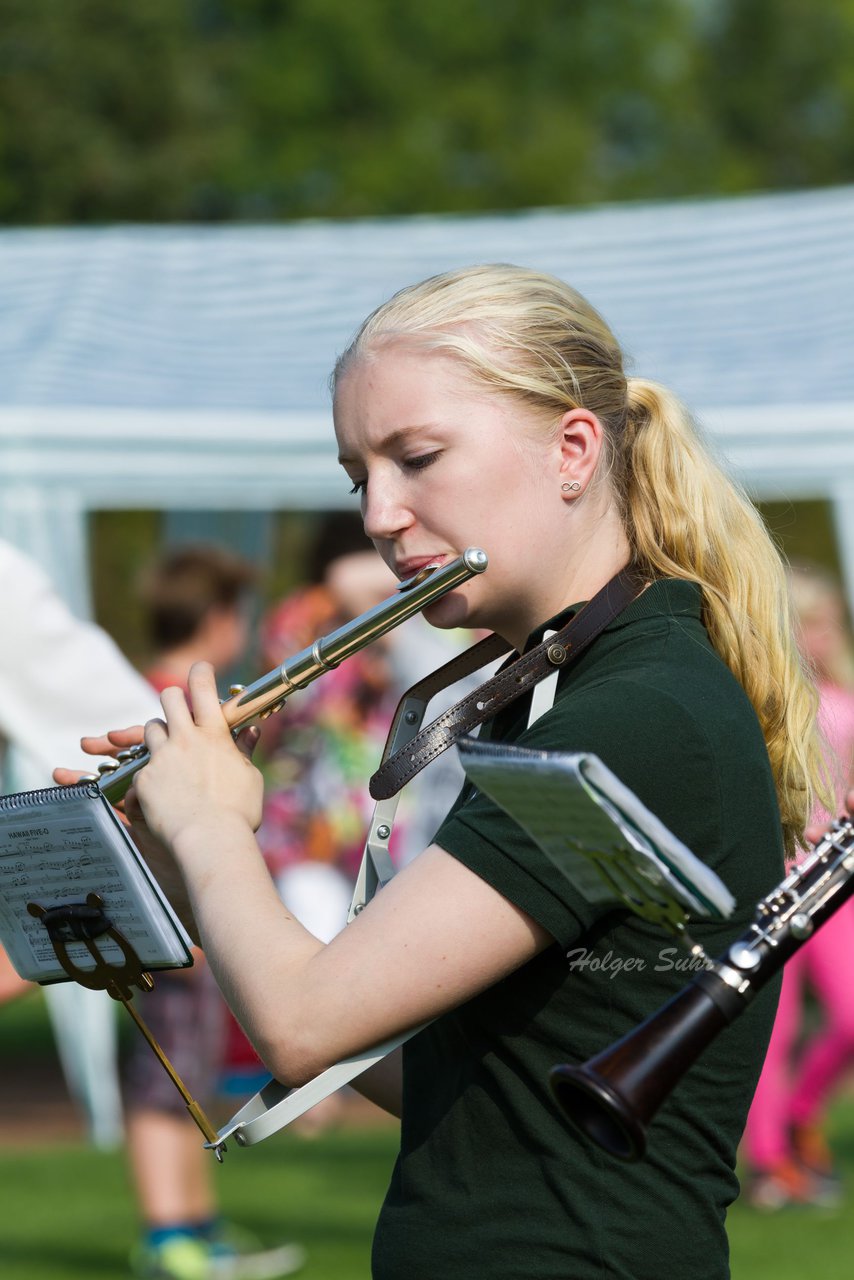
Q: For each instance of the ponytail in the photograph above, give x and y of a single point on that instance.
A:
(687, 519)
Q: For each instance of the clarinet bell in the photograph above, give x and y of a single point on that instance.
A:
(590, 1103)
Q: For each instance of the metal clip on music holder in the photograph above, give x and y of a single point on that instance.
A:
(86, 923)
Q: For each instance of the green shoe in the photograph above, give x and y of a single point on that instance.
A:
(238, 1255)
(178, 1258)
(230, 1254)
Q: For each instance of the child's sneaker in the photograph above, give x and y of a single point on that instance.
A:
(814, 1155)
(180, 1257)
(228, 1254)
(238, 1255)
(783, 1185)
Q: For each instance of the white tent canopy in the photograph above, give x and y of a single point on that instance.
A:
(186, 367)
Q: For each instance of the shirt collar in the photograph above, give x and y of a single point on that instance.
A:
(665, 597)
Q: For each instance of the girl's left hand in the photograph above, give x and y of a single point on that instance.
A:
(107, 745)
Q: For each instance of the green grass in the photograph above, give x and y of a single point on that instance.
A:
(801, 1244)
(66, 1211)
(67, 1214)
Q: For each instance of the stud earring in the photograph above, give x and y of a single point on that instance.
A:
(575, 486)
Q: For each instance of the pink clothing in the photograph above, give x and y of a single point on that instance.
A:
(797, 1093)
(836, 721)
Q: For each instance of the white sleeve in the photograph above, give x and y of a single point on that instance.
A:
(59, 677)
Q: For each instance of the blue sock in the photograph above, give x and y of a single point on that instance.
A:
(209, 1227)
(156, 1236)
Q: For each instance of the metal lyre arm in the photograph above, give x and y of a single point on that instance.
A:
(87, 923)
(377, 869)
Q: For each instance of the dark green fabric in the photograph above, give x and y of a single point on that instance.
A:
(491, 1180)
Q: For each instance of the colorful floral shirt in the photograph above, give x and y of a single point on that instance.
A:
(319, 752)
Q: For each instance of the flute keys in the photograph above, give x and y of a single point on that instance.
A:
(108, 766)
(271, 711)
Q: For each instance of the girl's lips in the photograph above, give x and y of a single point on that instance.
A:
(408, 568)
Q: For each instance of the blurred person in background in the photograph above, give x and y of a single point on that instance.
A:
(318, 751)
(785, 1147)
(57, 672)
(195, 599)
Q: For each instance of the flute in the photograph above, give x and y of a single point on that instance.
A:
(270, 692)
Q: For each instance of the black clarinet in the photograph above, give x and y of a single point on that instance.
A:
(614, 1096)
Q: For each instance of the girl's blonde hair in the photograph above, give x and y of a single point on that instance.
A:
(533, 337)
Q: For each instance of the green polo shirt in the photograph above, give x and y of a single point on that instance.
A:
(491, 1180)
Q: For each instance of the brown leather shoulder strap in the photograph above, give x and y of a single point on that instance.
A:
(504, 687)
(463, 664)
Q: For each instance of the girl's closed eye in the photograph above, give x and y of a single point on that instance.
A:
(359, 486)
(422, 460)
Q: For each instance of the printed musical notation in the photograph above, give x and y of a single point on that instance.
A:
(56, 847)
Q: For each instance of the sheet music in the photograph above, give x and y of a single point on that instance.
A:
(57, 846)
(608, 844)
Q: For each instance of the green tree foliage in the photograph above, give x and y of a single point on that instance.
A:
(779, 78)
(105, 111)
(395, 108)
(262, 109)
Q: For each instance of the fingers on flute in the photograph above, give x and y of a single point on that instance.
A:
(175, 708)
(156, 734)
(247, 739)
(207, 709)
(67, 777)
(108, 744)
(105, 744)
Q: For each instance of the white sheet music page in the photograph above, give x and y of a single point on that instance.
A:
(57, 846)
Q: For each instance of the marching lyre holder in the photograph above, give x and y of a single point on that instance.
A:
(87, 923)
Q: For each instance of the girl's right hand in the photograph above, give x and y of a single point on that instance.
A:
(198, 778)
